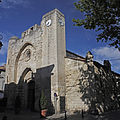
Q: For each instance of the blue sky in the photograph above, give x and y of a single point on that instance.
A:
(17, 16)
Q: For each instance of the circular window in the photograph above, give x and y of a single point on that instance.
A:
(27, 55)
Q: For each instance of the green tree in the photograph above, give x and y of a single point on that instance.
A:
(43, 100)
(102, 16)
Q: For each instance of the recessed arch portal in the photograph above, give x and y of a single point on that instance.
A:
(18, 57)
(27, 72)
(26, 89)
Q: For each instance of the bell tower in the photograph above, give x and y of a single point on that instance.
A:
(54, 52)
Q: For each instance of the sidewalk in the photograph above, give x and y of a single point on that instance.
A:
(35, 116)
(21, 116)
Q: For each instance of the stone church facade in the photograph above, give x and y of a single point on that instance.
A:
(39, 61)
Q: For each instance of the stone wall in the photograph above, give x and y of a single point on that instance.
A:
(2, 79)
(90, 86)
(39, 48)
(73, 74)
(107, 89)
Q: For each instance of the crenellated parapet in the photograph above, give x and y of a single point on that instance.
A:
(13, 40)
(30, 30)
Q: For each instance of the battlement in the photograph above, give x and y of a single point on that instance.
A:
(30, 30)
(14, 38)
(51, 12)
(36, 26)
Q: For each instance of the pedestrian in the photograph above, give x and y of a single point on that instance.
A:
(65, 115)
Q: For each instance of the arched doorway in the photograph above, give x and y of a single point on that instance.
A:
(26, 89)
(22, 50)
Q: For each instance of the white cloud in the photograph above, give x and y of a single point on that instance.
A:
(12, 3)
(108, 53)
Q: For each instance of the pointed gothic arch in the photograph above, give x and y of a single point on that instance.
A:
(26, 89)
(17, 59)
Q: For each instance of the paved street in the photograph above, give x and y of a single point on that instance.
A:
(22, 116)
(35, 116)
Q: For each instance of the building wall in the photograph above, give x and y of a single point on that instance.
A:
(41, 49)
(73, 76)
(91, 86)
(2, 80)
(107, 85)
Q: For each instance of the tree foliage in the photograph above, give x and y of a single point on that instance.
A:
(99, 89)
(103, 16)
(43, 100)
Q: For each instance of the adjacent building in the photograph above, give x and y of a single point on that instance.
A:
(2, 77)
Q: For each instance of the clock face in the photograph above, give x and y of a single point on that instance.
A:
(48, 23)
(61, 22)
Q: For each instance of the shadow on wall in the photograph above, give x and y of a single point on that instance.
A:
(29, 89)
(99, 90)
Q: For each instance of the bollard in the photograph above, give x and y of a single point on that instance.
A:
(65, 115)
(82, 113)
(55, 102)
